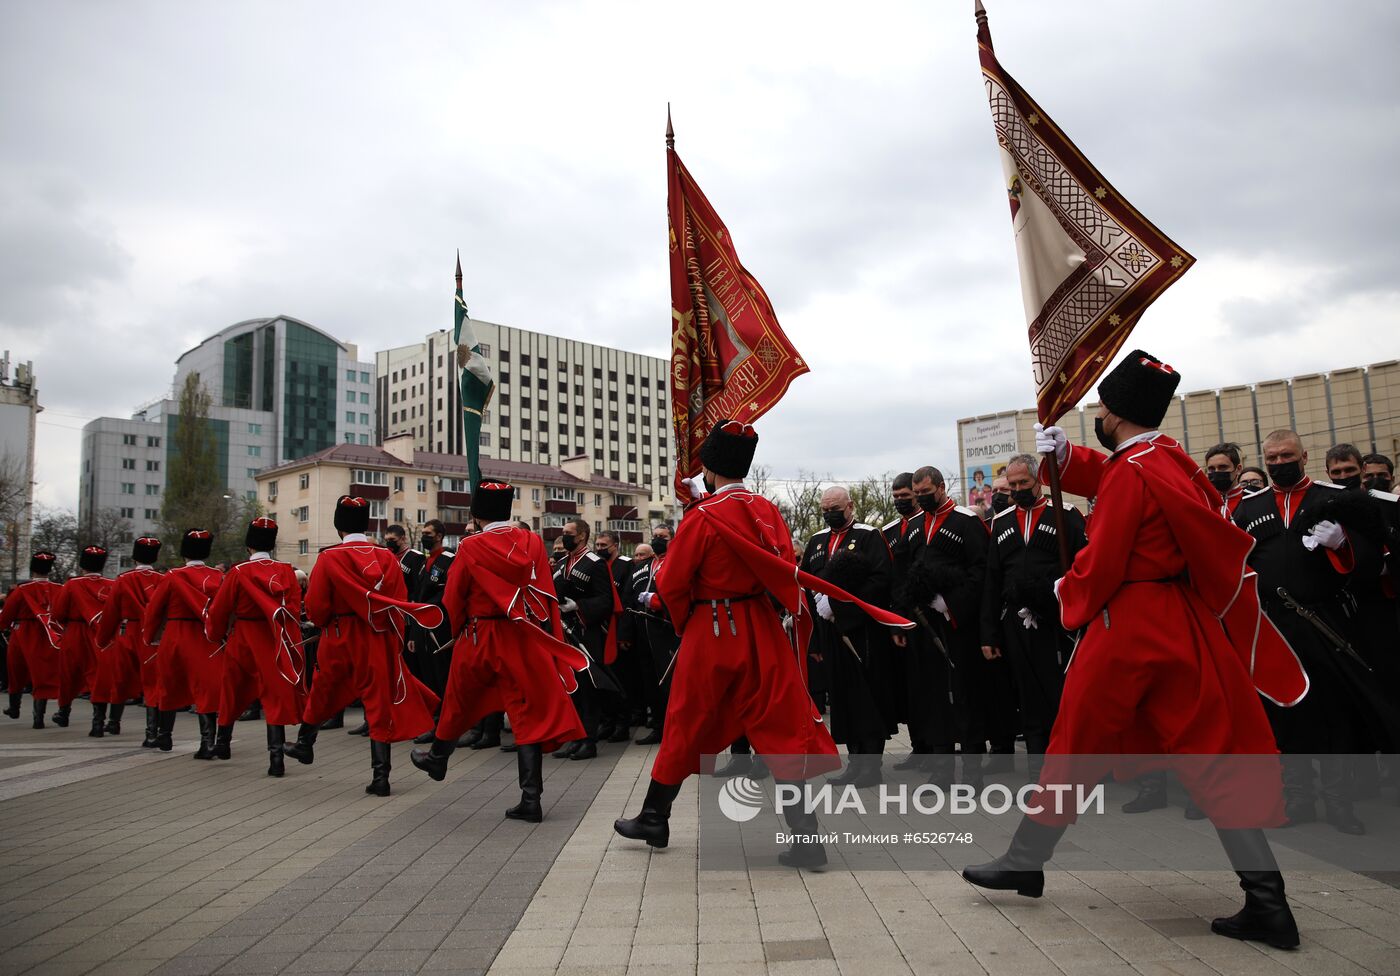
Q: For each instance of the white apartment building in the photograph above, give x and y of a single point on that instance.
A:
(19, 409)
(556, 399)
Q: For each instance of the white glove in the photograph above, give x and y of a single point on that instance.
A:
(568, 606)
(940, 605)
(1057, 587)
(787, 622)
(1028, 618)
(1325, 533)
(696, 486)
(644, 599)
(824, 607)
(1049, 439)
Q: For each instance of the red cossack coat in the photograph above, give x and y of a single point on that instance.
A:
(32, 657)
(255, 614)
(78, 609)
(126, 667)
(188, 664)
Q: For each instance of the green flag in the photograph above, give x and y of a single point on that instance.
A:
(476, 382)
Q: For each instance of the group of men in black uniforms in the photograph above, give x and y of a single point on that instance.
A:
(987, 660)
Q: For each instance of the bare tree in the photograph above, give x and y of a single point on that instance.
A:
(14, 499)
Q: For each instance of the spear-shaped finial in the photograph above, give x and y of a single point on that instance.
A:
(984, 33)
(670, 132)
(459, 268)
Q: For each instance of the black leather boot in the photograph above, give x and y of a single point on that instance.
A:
(223, 739)
(652, 738)
(804, 851)
(529, 760)
(152, 728)
(470, 738)
(13, 710)
(164, 727)
(276, 739)
(1299, 798)
(1151, 794)
(60, 717)
(739, 764)
(361, 729)
(41, 705)
(336, 721)
(379, 763)
(653, 823)
(424, 739)
(490, 732)
(587, 749)
(303, 750)
(114, 718)
(1266, 916)
(252, 713)
(99, 719)
(1334, 776)
(1020, 868)
(567, 749)
(433, 760)
(206, 734)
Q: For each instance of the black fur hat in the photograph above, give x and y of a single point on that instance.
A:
(492, 500)
(261, 535)
(145, 550)
(351, 514)
(1140, 389)
(728, 450)
(92, 559)
(41, 563)
(196, 544)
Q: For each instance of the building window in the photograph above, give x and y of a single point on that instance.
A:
(255, 450)
(535, 495)
(364, 377)
(128, 513)
(485, 440)
(128, 488)
(485, 349)
(398, 515)
(364, 476)
(304, 481)
(364, 398)
(152, 465)
(505, 443)
(349, 376)
(152, 514)
(364, 439)
(422, 516)
(303, 547)
(128, 464)
(349, 396)
(129, 439)
(454, 484)
(153, 489)
(349, 416)
(304, 513)
(252, 472)
(364, 420)
(398, 482)
(153, 442)
(272, 491)
(349, 438)
(422, 485)
(255, 428)
(376, 509)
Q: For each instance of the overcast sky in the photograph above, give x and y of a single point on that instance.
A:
(167, 169)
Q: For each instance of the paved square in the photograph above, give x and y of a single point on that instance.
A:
(119, 861)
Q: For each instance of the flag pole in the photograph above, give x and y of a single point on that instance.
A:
(670, 132)
(1057, 502)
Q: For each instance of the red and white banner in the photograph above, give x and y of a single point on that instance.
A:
(1090, 262)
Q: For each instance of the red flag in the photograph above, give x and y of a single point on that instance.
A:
(729, 357)
(1090, 262)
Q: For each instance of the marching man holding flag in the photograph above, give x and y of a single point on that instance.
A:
(1175, 651)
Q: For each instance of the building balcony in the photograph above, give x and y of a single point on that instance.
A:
(551, 532)
(622, 511)
(630, 538)
(561, 507)
(374, 493)
(455, 528)
(454, 499)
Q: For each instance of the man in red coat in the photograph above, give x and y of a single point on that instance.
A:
(1173, 650)
(120, 651)
(738, 672)
(510, 653)
(32, 657)
(77, 609)
(189, 667)
(358, 599)
(256, 615)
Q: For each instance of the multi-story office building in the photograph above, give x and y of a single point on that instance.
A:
(1359, 405)
(556, 399)
(406, 486)
(279, 388)
(19, 408)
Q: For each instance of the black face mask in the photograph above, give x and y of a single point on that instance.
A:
(568, 542)
(1378, 482)
(1285, 475)
(1102, 435)
(904, 506)
(1024, 497)
(1000, 502)
(834, 520)
(392, 544)
(1351, 481)
(429, 543)
(659, 544)
(709, 485)
(928, 503)
(1222, 480)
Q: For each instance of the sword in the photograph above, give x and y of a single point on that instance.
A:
(1339, 643)
(938, 643)
(852, 648)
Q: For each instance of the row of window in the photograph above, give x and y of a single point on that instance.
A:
(130, 440)
(350, 397)
(350, 376)
(129, 488)
(130, 513)
(129, 464)
(350, 418)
